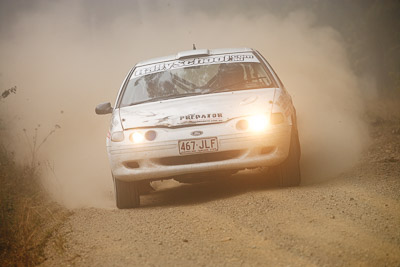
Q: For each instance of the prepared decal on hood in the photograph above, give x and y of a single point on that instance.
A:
(209, 117)
(205, 109)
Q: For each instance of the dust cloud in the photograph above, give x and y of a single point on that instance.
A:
(66, 57)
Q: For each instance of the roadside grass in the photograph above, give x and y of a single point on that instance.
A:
(27, 217)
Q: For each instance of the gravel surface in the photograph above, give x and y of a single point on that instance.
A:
(351, 220)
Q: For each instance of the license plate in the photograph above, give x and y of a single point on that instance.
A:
(194, 146)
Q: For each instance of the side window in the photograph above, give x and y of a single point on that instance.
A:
(280, 84)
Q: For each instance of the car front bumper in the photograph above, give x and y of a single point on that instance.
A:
(161, 160)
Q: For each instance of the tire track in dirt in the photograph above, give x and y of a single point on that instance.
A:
(353, 219)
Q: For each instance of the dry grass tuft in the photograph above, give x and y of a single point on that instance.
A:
(27, 217)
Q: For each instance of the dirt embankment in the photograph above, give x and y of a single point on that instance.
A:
(352, 219)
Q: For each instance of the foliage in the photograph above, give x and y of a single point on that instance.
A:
(371, 29)
(27, 217)
(374, 38)
(35, 145)
(7, 92)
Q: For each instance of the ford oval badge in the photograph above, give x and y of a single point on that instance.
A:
(196, 133)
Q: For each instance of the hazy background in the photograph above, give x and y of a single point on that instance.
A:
(65, 57)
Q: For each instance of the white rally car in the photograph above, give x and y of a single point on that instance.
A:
(200, 113)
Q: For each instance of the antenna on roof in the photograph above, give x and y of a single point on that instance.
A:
(194, 47)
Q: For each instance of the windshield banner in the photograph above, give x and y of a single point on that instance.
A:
(191, 62)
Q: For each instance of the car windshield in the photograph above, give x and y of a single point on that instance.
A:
(193, 80)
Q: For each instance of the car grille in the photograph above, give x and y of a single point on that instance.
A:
(199, 158)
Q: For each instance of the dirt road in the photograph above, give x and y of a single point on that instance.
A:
(352, 219)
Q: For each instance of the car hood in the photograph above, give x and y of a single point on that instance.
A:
(199, 109)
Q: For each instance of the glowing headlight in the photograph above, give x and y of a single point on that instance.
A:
(136, 137)
(258, 123)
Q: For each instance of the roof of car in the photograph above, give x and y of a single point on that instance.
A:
(193, 53)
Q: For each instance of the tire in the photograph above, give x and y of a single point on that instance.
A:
(126, 194)
(289, 171)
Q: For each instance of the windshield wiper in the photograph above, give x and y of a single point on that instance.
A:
(155, 99)
(186, 94)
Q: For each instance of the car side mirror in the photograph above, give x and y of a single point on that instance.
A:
(104, 108)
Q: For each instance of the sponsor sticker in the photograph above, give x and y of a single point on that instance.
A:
(196, 61)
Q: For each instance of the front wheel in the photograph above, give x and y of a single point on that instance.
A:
(126, 194)
(289, 170)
